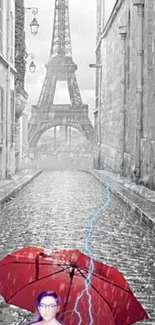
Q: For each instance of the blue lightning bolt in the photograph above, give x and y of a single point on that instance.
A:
(92, 218)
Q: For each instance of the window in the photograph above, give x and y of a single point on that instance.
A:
(96, 126)
(1, 114)
(12, 113)
(12, 38)
(1, 25)
(102, 14)
(98, 18)
(128, 52)
(97, 87)
(98, 76)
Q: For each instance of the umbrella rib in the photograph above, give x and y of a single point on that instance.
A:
(110, 282)
(99, 295)
(71, 280)
(40, 263)
(33, 282)
(64, 266)
(49, 264)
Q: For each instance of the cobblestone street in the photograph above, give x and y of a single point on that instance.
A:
(53, 212)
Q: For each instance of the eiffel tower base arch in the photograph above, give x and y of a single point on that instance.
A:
(65, 115)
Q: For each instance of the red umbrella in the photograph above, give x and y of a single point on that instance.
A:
(100, 296)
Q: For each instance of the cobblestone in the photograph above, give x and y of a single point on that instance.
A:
(138, 198)
(53, 212)
(10, 187)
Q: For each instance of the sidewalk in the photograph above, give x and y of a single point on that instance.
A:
(10, 187)
(138, 198)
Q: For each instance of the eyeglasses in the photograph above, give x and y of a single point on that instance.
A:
(43, 306)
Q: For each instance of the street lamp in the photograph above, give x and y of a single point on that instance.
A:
(34, 26)
(32, 66)
(98, 66)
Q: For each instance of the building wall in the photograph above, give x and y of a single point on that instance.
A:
(3, 76)
(125, 13)
(21, 147)
(7, 86)
(5, 27)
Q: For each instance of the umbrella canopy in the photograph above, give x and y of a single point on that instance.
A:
(99, 296)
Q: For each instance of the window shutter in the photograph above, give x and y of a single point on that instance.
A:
(1, 25)
(1, 114)
(12, 114)
(12, 37)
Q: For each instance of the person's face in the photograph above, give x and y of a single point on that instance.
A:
(48, 308)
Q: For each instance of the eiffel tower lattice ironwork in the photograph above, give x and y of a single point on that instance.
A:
(59, 68)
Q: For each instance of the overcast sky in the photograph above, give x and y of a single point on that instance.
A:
(83, 40)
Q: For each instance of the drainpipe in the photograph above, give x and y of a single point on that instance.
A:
(139, 117)
(99, 66)
(8, 89)
(123, 33)
(99, 115)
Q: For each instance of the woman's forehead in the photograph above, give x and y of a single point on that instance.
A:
(48, 299)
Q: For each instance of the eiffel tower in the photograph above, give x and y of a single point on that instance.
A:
(60, 67)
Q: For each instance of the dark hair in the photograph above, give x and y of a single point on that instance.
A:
(43, 294)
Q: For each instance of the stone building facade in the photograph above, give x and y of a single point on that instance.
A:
(21, 115)
(13, 116)
(125, 89)
(7, 88)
